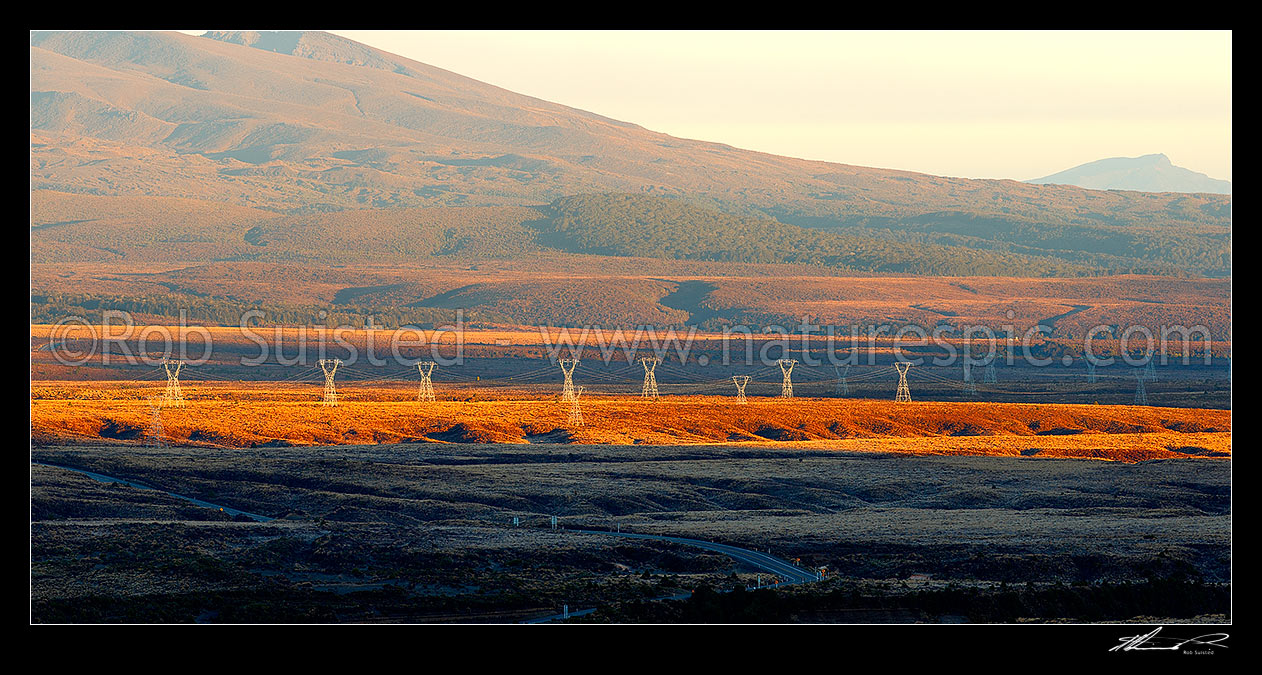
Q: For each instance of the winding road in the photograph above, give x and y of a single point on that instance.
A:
(783, 569)
(141, 486)
(785, 572)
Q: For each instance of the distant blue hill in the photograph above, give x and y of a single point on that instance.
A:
(1150, 173)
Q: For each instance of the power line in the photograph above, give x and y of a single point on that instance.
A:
(173, 396)
(650, 378)
(786, 386)
(426, 390)
(567, 389)
(329, 366)
(843, 387)
(741, 381)
(576, 412)
(155, 422)
(903, 395)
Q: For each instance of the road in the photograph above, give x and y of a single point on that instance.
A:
(785, 571)
(141, 486)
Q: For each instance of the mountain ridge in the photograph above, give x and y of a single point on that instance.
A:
(1146, 173)
(334, 125)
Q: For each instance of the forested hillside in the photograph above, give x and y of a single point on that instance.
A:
(611, 224)
(232, 134)
(155, 229)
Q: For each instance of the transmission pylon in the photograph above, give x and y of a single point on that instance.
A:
(329, 366)
(173, 396)
(786, 367)
(843, 387)
(1090, 373)
(155, 422)
(576, 412)
(989, 376)
(903, 395)
(741, 381)
(1141, 395)
(970, 387)
(650, 378)
(426, 391)
(567, 367)
(1150, 371)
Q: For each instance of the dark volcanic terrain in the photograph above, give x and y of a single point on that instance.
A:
(423, 532)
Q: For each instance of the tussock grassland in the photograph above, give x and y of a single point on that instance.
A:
(610, 291)
(280, 414)
(425, 533)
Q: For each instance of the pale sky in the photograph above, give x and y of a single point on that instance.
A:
(994, 104)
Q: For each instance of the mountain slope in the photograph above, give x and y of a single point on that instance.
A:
(304, 123)
(1149, 173)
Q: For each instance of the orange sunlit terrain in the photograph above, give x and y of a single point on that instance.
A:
(281, 414)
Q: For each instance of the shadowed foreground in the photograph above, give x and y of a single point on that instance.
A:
(424, 533)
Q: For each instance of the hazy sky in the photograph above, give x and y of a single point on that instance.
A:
(976, 104)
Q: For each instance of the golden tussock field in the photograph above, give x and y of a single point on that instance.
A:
(241, 416)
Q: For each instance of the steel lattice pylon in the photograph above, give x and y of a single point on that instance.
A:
(173, 396)
(786, 386)
(576, 412)
(650, 377)
(155, 422)
(843, 387)
(904, 394)
(329, 366)
(970, 387)
(567, 389)
(989, 376)
(741, 381)
(1141, 394)
(426, 390)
